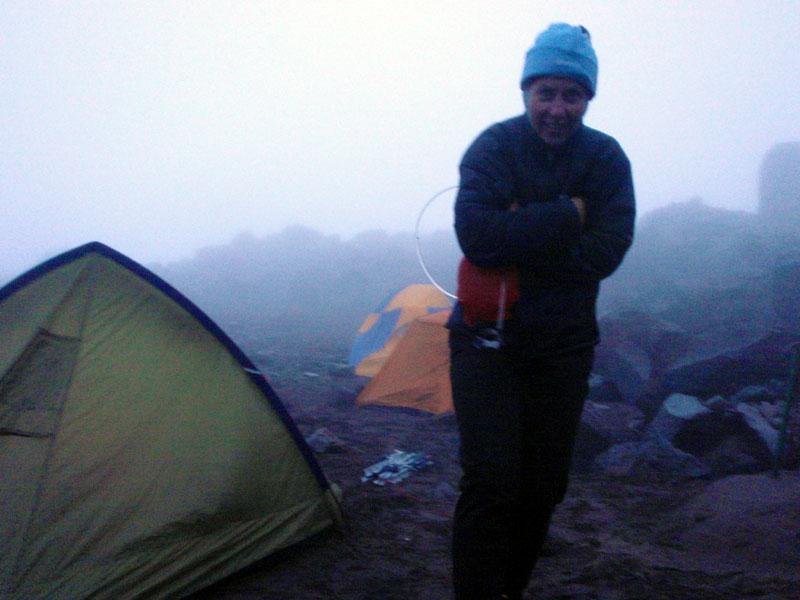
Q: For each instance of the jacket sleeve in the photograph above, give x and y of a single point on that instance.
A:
(492, 235)
(608, 231)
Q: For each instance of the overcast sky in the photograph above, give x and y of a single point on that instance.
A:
(161, 127)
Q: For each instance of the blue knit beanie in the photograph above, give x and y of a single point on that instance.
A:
(562, 50)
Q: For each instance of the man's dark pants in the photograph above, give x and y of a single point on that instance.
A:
(517, 420)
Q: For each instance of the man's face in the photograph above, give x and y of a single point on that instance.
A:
(556, 107)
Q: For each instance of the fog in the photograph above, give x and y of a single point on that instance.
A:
(161, 128)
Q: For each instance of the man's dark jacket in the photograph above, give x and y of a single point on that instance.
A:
(560, 262)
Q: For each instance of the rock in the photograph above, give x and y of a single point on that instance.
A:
(651, 456)
(674, 414)
(715, 432)
(717, 375)
(778, 202)
(725, 374)
(340, 370)
(785, 283)
(766, 432)
(752, 394)
(627, 366)
(773, 413)
(603, 390)
(724, 432)
(615, 422)
(322, 441)
(603, 425)
(732, 457)
(662, 341)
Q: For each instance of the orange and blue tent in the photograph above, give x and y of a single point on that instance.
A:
(417, 373)
(383, 328)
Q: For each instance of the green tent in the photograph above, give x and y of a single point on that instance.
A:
(142, 455)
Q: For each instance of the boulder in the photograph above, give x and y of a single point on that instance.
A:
(724, 374)
(624, 364)
(732, 456)
(760, 425)
(713, 430)
(602, 425)
(753, 394)
(778, 201)
(785, 284)
(662, 341)
(701, 435)
(773, 412)
(603, 390)
(653, 456)
(675, 413)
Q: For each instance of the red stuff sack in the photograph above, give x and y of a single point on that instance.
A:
(480, 289)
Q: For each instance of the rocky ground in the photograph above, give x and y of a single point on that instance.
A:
(716, 331)
(613, 538)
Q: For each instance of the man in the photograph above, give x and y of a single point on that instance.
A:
(550, 201)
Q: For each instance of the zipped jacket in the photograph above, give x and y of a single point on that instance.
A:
(560, 261)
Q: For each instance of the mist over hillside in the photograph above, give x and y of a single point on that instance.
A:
(723, 276)
(708, 270)
(300, 284)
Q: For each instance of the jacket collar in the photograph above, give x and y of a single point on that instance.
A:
(545, 149)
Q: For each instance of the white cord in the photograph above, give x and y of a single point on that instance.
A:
(419, 250)
(501, 307)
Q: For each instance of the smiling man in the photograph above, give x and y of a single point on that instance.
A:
(556, 106)
(550, 201)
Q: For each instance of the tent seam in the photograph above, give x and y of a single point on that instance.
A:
(53, 437)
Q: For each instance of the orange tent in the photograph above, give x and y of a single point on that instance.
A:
(385, 326)
(417, 373)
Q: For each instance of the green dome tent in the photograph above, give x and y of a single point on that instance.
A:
(142, 455)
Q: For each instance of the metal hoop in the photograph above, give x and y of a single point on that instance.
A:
(419, 249)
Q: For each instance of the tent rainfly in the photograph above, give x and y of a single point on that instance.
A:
(417, 372)
(402, 345)
(383, 328)
(142, 454)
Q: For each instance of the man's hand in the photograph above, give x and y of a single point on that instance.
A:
(580, 204)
